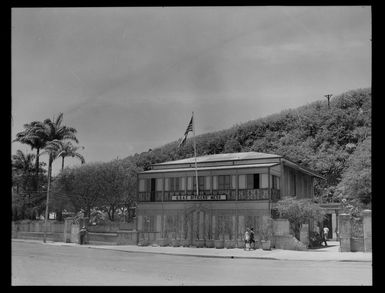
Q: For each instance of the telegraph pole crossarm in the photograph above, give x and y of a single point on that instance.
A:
(328, 96)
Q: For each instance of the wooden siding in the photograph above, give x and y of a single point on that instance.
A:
(297, 183)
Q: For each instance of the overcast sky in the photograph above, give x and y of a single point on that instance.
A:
(128, 78)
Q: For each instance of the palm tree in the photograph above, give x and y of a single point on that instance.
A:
(55, 133)
(22, 164)
(36, 139)
(22, 168)
(58, 148)
(51, 149)
(67, 149)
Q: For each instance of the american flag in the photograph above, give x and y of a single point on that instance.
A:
(188, 129)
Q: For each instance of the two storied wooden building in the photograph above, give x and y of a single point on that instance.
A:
(235, 191)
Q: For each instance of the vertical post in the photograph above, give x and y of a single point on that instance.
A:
(345, 232)
(163, 187)
(201, 226)
(47, 202)
(328, 97)
(269, 189)
(334, 225)
(367, 227)
(282, 180)
(211, 182)
(195, 155)
(236, 211)
(236, 185)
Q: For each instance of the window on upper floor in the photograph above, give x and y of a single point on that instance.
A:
(275, 182)
(224, 182)
(201, 180)
(252, 181)
(174, 183)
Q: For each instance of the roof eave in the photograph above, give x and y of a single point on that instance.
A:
(218, 161)
(306, 170)
(266, 165)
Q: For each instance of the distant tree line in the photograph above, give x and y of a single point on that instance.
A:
(334, 142)
(106, 187)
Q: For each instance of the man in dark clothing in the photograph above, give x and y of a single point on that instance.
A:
(83, 233)
(252, 241)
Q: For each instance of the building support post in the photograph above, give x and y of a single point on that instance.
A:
(367, 227)
(345, 232)
(269, 189)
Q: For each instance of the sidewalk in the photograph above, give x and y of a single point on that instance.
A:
(330, 253)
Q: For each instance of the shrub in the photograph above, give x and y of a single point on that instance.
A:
(299, 212)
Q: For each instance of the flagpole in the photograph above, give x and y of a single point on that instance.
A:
(195, 155)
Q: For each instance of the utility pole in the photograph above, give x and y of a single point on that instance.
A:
(328, 97)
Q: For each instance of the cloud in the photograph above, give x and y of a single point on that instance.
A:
(129, 78)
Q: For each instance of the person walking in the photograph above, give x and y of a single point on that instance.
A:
(325, 235)
(247, 239)
(252, 241)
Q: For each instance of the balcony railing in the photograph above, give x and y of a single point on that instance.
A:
(231, 194)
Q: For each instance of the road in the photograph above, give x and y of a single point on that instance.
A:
(38, 264)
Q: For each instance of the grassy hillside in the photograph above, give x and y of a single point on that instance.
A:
(332, 142)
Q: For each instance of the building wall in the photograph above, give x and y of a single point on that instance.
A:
(297, 183)
(209, 221)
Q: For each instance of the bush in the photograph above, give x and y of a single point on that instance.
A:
(315, 239)
(299, 212)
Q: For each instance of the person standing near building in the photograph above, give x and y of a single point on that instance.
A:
(83, 235)
(252, 241)
(247, 239)
(325, 235)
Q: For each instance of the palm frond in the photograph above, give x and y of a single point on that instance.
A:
(80, 157)
(70, 136)
(59, 120)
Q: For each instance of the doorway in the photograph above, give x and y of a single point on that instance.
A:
(328, 223)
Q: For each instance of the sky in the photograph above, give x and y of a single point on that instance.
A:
(129, 78)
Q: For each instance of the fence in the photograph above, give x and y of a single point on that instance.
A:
(68, 231)
(125, 234)
(35, 230)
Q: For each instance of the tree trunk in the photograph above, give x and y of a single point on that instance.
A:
(112, 213)
(128, 213)
(109, 214)
(48, 190)
(88, 212)
(62, 163)
(37, 170)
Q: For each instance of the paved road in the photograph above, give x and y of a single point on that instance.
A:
(38, 264)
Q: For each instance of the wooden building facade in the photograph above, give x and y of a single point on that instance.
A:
(235, 191)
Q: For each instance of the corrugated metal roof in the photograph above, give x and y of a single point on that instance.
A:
(212, 168)
(222, 157)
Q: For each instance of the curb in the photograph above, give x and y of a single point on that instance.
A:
(230, 256)
(187, 254)
(191, 255)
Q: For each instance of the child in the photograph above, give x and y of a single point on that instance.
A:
(252, 241)
(247, 239)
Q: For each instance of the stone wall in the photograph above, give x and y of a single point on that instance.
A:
(350, 242)
(35, 230)
(68, 231)
(282, 239)
(102, 238)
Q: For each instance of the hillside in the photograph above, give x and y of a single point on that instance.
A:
(332, 142)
